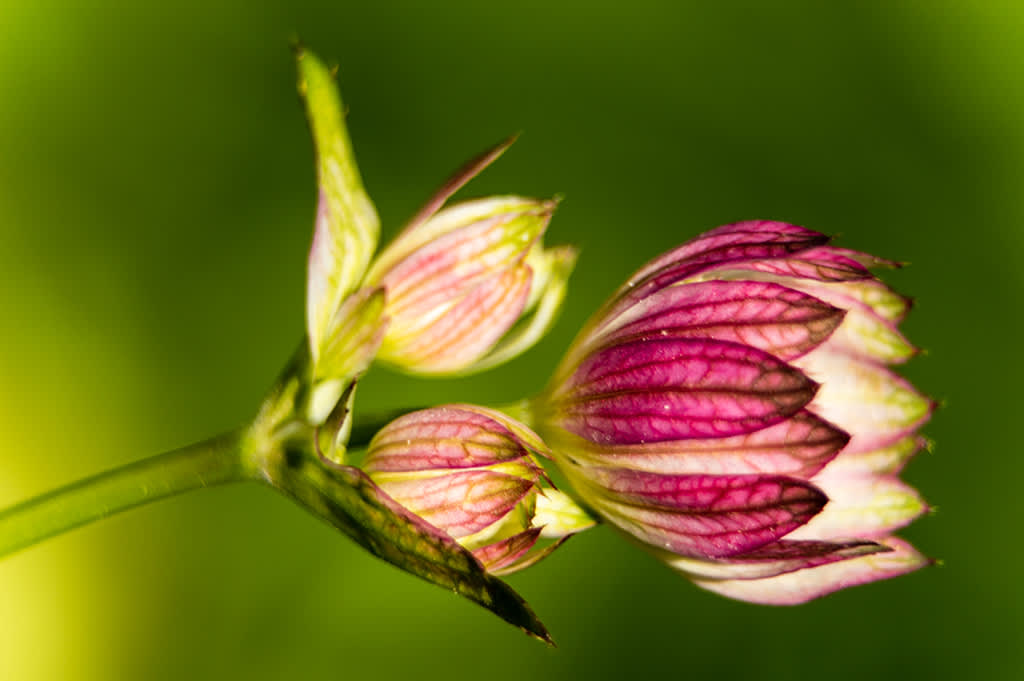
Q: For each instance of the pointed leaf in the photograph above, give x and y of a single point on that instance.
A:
(347, 226)
(348, 500)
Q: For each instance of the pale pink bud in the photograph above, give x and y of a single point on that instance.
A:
(472, 473)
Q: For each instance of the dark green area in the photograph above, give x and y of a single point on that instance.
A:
(156, 201)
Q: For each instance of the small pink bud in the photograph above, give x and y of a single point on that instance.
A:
(731, 408)
(472, 473)
(458, 279)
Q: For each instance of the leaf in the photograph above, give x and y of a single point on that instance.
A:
(347, 499)
(347, 226)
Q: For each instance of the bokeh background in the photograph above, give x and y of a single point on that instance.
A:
(156, 200)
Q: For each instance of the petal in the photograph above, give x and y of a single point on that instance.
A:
(441, 438)
(734, 242)
(353, 336)
(864, 332)
(888, 460)
(460, 503)
(706, 516)
(873, 404)
(801, 586)
(867, 507)
(731, 243)
(671, 389)
(798, 446)
(823, 263)
(501, 554)
(767, 316)
(559, 516)
(546, 296)
(466, 330)
(346, 227)
(774, 559)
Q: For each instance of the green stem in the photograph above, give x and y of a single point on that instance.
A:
(215, 461)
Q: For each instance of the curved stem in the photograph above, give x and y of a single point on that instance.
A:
(215, 461)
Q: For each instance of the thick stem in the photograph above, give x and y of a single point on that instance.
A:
(215, 461)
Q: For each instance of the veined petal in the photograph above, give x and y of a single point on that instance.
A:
(873, 404)
(441, 438)
(652, 390)
(822, 263)
(353, 336)
(461, 503)
(347, 227)
(730, 242)
(499, 558)
(466, 330)
(868, 507)
(774, 559)
(779, 320)
(470, 240)
(864, 332)
(801, 586)
(546, 295)
(799, 447)
(708, 516)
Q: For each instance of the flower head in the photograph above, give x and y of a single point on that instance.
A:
(472, 473)
(731, 407)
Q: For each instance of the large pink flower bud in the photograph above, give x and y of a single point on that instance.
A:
(732, 408)
(472, 473)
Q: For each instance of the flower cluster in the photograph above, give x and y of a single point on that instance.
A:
(732, 407)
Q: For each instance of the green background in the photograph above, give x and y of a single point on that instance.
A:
(156, 201)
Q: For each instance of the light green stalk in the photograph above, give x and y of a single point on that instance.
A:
(215, 461)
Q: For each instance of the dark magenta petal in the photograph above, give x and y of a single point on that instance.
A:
(708, 516)
(767, 316)
(776, 559)
(739, 242)
(671, 389)
(823, 263)
(441, 438)
(730, 242)
(799, 447)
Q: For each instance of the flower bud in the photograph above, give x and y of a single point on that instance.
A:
(472, 473)
(731, 408)
(470, 286)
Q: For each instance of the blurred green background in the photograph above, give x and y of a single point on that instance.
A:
(156, 200)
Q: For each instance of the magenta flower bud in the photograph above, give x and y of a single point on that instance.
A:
(472, 473)
(731, 407)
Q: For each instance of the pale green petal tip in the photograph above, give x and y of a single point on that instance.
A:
(559, 516)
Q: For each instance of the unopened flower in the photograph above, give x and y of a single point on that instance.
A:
(458, 279)
(472, 473)
(731, 408)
